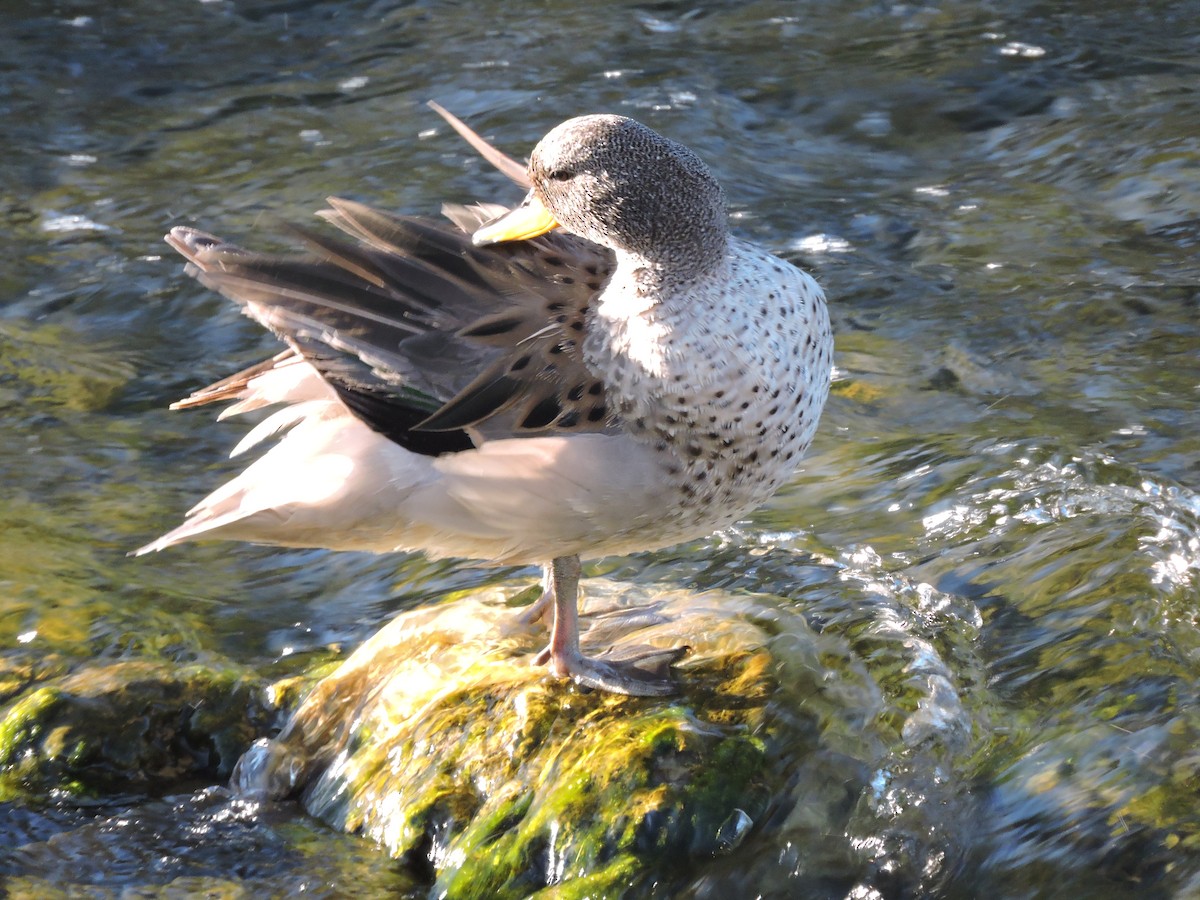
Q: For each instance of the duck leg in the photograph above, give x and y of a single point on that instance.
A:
(646, 674)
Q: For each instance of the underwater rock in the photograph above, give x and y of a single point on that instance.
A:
(440, 740)
(132, 725)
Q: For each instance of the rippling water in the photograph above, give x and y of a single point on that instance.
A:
(998, 528)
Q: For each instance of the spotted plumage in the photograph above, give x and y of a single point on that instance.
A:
(490, 389)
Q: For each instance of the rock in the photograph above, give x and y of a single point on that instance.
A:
(440, 740)
(121, 727)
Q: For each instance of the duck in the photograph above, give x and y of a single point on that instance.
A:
(600, 369)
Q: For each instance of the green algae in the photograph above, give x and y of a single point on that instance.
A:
(24, 723)
(648, 787)
(126, 726)
(85, 380)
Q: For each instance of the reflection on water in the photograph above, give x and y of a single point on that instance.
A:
(998, 528)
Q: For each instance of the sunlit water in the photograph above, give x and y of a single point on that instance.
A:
(998, 527)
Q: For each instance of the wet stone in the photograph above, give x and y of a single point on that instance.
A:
(439, 740)
(126, 727)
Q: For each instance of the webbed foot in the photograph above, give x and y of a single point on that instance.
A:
(638, 671)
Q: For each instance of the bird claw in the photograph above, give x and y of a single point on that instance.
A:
(536, 611)
(638, 672)
(540, 609)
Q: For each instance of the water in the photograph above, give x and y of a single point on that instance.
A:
(998, 526)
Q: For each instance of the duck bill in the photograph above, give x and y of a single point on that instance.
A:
(528, 220)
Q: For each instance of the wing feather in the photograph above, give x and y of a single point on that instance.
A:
(428, 339)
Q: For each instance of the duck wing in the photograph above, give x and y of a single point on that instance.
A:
(429, 340)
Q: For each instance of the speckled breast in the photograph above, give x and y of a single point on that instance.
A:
(726, 384)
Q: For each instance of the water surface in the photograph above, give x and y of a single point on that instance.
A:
(998, 524)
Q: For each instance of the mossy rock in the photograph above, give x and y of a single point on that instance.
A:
(440, 740)
(134, 725)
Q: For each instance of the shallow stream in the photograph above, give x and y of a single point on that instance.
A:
(998, 527)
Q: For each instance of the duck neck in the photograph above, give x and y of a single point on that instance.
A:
(643, 311)
(643, 283)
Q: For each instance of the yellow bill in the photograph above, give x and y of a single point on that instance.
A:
(527, 221)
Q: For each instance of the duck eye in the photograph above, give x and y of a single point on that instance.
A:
(560, 175)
